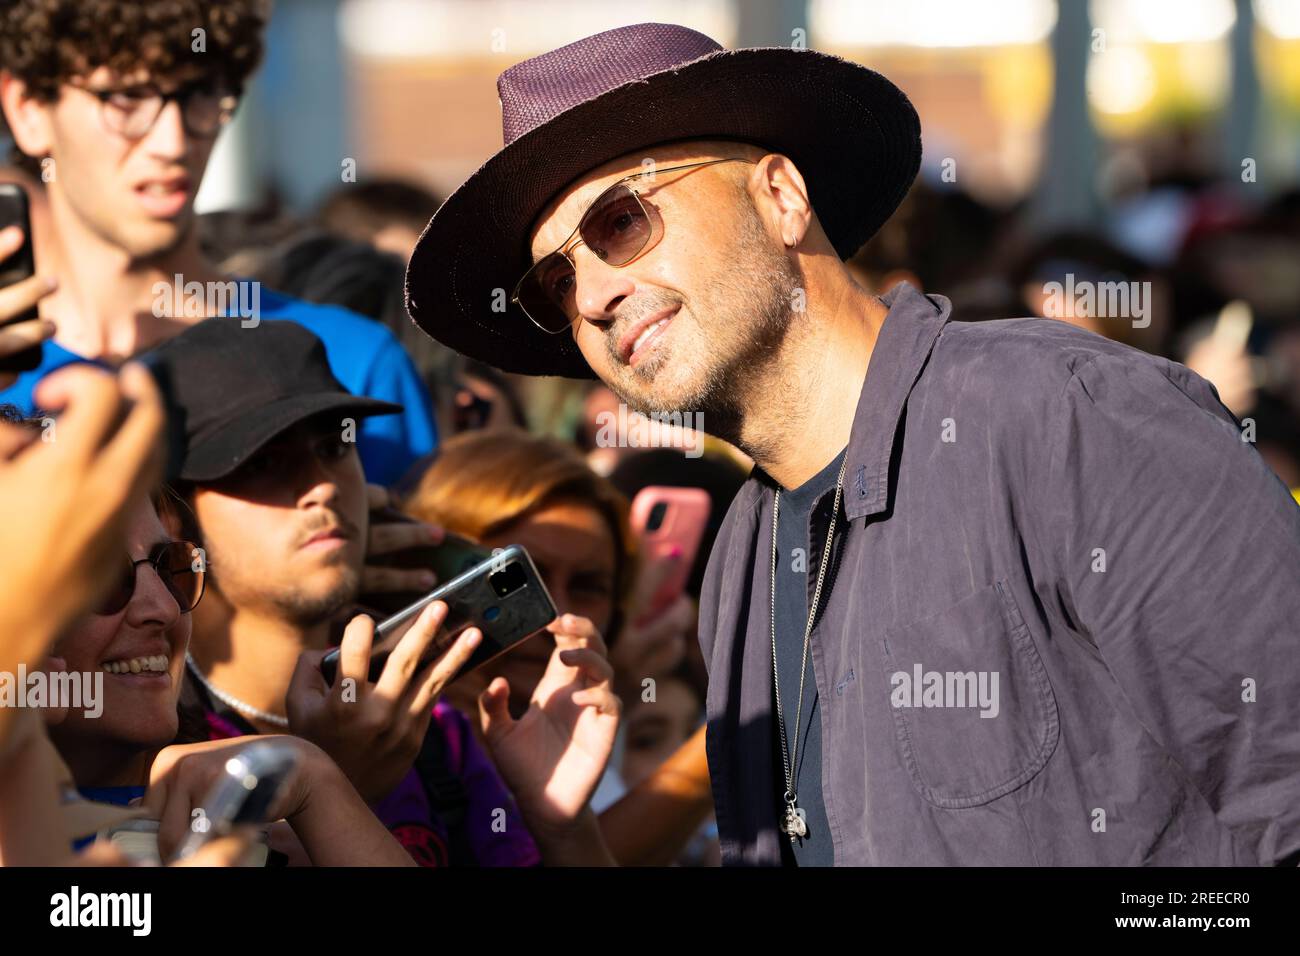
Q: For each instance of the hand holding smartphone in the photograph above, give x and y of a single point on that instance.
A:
(503, 596)
(21, 332)
(669, 522)
(253, 782)
(450, 557)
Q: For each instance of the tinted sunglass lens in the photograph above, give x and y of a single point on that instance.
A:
(616, 227)
(547, 293)
(120, 596)
(176, 567)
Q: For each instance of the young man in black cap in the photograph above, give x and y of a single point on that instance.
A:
(267, 462)
(996, 593)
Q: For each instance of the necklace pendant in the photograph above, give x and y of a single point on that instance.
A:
(792, 823)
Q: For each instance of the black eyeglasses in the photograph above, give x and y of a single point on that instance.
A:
(180, 565)
(617, 227)
(132, 111)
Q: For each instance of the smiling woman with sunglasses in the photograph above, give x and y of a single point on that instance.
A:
(137, 638)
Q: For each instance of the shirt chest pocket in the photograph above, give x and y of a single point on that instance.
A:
(974, 714)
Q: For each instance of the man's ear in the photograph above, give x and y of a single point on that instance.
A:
(28, 118)
(782, 198)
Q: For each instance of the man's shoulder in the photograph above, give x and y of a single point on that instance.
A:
(1035, 359)
(1028, 351)
(1017, 370)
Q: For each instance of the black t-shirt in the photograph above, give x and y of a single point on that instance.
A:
(796, 576)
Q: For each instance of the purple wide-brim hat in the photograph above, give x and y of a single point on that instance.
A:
(853, 135)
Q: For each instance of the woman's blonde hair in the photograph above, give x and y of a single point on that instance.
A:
(482, 482)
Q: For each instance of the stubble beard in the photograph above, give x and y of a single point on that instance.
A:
(303, 609)
(729, 369)
(307, 611)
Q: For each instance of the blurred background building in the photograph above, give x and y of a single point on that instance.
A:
(1107, 88)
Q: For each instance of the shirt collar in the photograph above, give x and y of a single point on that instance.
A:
(906, 339)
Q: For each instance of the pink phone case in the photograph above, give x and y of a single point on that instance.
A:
(685, 515)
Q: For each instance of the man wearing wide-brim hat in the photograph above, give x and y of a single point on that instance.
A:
(995, 593)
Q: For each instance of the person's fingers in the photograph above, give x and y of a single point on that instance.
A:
(23, 335)
(307, 688)
(574, 630)
(591, 664)
(683, 611)
(599, 697)
(389, 536)
(14, 438)
(437, 675)
(376, 497)
(18, 298)
(405, 659)
(55, 715)
(102, 853)
(675, 619)
(133, 455)
(494, 710)
(175, 817)
(376, 579)
(234, 849)
(354, 651)
(91, 405)
(662, 658)
(11, 240)
(651, 576)
(155, 795)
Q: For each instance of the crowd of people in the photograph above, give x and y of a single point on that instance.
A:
(154, 432)
(201, 501)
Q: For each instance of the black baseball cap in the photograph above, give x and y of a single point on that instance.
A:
(231, 388)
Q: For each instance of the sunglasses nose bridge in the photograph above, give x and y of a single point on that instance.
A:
(151, 591)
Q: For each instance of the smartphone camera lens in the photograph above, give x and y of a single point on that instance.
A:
(508, 580)
(656, 519)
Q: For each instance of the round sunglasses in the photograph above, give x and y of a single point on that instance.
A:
(617, 227)
(174, 562)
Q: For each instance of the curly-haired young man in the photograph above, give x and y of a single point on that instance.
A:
(118, 103)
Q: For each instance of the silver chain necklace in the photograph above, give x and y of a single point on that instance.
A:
(792, 822)
(248, 710)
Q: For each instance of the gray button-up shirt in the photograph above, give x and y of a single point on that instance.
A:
(1062, 616)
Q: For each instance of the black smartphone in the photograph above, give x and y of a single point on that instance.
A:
(17, 267)
(503, 597)
(450, 558)
(253, 779)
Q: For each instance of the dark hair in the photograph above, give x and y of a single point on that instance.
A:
(175, 504)
(360, 210)
(13, 415)
(45, 43)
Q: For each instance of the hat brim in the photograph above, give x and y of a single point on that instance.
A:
(854, 136)
(221, 452)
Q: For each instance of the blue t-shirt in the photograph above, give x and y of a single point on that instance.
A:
(363, 355)
(120, 796)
